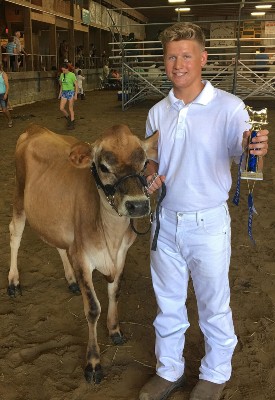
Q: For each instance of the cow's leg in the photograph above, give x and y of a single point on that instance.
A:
(92, 309)
(16, 227)
(112, 317)
(69, 272)
(113, 292)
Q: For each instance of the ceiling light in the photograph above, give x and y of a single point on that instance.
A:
(258, 13)
(177, 1)
(264, 6)
(184, 9)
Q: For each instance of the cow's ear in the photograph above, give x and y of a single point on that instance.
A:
(81, 155)
(151, 146)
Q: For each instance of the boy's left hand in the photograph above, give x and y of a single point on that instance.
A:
(259, 144)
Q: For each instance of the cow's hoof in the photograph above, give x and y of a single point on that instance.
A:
(93, 374)
(118, 338)
(74, 288)
(13, 290)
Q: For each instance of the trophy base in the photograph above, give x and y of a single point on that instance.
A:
(255, 176)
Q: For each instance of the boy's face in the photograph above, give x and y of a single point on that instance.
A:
(184, 60)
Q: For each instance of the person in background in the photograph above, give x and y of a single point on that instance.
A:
(92, 55)
(4, 94)
(106, 71)
(68, 93)
(115, 74)
(63, 51)
(80, 78)
(11, 50)
(262, 61)
(5, 57)
(77, 68)
(104, 58)
(19, 49)
(201, 129)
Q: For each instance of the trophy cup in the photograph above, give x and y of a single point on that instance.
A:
(251, 169)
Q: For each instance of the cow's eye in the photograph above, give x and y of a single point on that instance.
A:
(145, 165)
(103, 168)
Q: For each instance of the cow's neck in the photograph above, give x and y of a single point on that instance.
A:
(114, 226)
(112, 220)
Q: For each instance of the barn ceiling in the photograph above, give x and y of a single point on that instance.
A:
(162, 11)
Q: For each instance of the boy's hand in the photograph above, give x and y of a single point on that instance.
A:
(259, 144)
(154, 182)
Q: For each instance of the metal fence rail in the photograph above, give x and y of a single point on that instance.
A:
(143, 74)
(231, 66)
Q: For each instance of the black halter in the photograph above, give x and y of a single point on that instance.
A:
(110, 190)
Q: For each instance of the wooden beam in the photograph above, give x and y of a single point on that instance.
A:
(131, 12)
(48, 19)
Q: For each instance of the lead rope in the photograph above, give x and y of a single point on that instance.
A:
(141, 233)
(156, 234)
(155, 239)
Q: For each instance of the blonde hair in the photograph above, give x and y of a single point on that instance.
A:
(182, 31)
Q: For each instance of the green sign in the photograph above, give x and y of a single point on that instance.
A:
(85, 16)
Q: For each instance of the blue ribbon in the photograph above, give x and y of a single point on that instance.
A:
(236, 197)
(252, 159)
(251, 211)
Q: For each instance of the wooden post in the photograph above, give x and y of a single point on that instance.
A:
(71, 43)
(28, 39)
(87, 49)
(53, 48)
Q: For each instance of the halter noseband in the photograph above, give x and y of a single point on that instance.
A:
(110, 190)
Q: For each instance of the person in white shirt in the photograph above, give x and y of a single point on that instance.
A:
(201, 129)
(20, 51)
(80, 78)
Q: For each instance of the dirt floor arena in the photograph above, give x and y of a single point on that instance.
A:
(43, 333)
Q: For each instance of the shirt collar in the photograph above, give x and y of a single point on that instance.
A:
(205, 96)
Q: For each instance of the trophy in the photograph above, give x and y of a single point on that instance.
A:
(251, 169)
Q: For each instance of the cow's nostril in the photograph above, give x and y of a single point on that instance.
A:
(137, 208)
(130, 207)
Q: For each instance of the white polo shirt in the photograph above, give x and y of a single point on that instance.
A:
(196, 145)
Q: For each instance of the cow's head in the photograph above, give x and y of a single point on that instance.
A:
(118, 161)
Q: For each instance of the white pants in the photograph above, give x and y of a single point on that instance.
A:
(197, 244)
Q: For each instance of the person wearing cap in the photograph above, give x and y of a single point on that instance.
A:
(68, 94)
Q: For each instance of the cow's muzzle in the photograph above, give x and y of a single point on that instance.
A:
(137, 208)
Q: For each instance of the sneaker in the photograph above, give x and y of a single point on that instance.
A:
(70, 125)
(158, 388)
(10, 124)
(205, 390)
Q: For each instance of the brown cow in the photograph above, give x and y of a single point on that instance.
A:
(86, 218)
